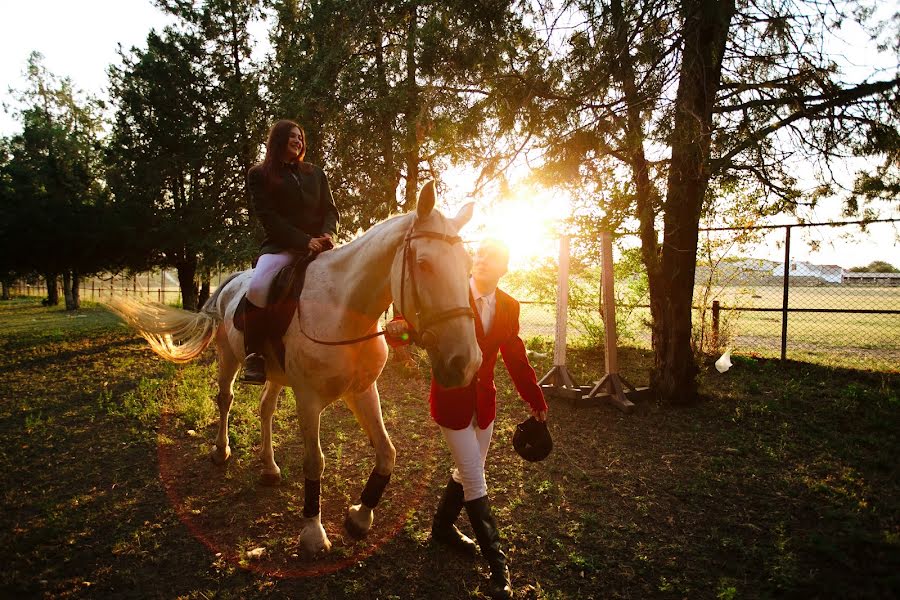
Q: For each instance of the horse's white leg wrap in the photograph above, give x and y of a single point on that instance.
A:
(271, 473)
(313, 539)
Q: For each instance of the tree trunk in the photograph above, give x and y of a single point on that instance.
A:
(52, 290)
(388, 177)
(76, 290)
(187, 273)
(705, 34)
(67, 290)
(204, 292)
(412, 112)
(5, 284)
(647, 200)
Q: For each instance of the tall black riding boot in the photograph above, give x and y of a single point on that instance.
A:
(443, 528)
(254, 339)
(479, 511)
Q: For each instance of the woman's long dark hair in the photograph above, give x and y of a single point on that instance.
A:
(277, 142)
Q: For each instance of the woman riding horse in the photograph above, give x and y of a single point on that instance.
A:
(293, 202)
(332, 345)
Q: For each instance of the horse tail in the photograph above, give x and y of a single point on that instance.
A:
(211, 306)
(175, 334)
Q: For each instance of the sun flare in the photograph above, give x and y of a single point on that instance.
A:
(528, 223)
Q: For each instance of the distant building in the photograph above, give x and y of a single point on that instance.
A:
(878, 279)
(827, 273)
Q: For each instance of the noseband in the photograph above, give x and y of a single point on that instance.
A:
(424, 337)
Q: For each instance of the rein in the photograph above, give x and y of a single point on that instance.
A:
(426, 338)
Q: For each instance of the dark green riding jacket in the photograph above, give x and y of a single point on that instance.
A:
(294, 206)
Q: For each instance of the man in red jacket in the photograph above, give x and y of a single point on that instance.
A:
(466, 415)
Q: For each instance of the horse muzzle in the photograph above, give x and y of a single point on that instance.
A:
(457, 369)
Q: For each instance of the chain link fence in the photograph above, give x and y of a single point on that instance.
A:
(160, 286)
(783, 291)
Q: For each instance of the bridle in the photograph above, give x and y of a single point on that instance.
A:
(426, 338)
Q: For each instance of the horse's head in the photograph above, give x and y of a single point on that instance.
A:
(429, 280)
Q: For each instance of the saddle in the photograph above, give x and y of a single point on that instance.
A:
(283, 301)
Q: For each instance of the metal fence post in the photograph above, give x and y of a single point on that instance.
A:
(784, 296)
(715, 325)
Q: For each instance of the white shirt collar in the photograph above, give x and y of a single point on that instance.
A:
(476, 294)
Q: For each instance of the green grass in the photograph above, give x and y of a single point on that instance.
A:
(859, 341)
(783, 482)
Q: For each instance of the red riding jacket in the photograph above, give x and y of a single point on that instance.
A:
(453, 408)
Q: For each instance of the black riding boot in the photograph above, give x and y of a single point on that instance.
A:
(479, 511)
(443, 529)
(254, 338)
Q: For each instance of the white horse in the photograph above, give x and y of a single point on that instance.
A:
(416, 260)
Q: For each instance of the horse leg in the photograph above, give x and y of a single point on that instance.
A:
(313, 538)
(271, 473)
(367, 409)
(228, 365)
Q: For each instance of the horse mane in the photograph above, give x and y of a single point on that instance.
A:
(389, 221)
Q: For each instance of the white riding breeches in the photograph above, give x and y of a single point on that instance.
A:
(266, 267)
(469, 449)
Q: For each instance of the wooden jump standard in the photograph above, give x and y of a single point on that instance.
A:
(612, 387)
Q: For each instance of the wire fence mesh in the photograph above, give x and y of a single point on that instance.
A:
(758, 292)
(820, 312)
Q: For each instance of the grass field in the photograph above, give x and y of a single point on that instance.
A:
(782, 482)
(860, 341)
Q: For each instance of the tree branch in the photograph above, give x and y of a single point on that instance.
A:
(840, 98)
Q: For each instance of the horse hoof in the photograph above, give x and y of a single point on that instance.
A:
(358, 521)
(270, 479)
(354, 530)
(313, 539)
(219, 457)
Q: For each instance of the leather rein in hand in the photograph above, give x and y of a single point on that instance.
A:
(426, 338)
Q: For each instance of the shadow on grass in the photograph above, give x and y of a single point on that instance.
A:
(783, 483)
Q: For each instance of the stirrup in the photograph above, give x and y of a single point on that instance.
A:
(254, 370)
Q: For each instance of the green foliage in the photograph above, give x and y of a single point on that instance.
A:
(667, 112)
(417, 87)
(52, 194)
(186, 129)
(541, 281)
(876, 266)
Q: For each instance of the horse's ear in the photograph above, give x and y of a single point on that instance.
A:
(426, 200)
(464, 215)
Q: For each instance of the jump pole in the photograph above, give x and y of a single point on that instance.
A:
(558, 382)
(612, 388)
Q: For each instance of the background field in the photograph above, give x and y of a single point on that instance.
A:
(860, 341)
(782, 482)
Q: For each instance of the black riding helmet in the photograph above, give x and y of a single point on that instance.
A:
(532, 440)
